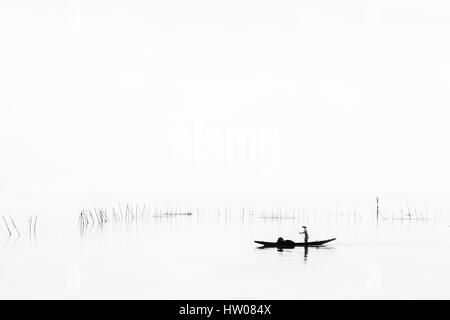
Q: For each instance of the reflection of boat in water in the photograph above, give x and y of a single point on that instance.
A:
(292, 244)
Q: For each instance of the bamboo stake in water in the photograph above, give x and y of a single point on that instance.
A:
(14, 225)
(378, 208)
(7, 227)
(409, 212)
(35, 222)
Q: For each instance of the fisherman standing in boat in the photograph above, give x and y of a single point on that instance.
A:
(305, 234)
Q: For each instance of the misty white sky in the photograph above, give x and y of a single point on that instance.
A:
(294, 102)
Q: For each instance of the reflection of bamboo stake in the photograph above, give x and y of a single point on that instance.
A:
(7, 227)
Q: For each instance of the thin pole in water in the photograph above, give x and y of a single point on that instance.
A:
(35, 221)
(14, 225)
(7, 227)
(378, 208)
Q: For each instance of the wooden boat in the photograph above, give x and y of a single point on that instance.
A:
(292, 244)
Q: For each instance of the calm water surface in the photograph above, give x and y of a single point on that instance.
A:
(210, 255)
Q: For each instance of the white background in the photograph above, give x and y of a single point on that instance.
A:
(259, 102)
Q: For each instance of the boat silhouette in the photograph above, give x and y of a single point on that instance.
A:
(292, 244)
